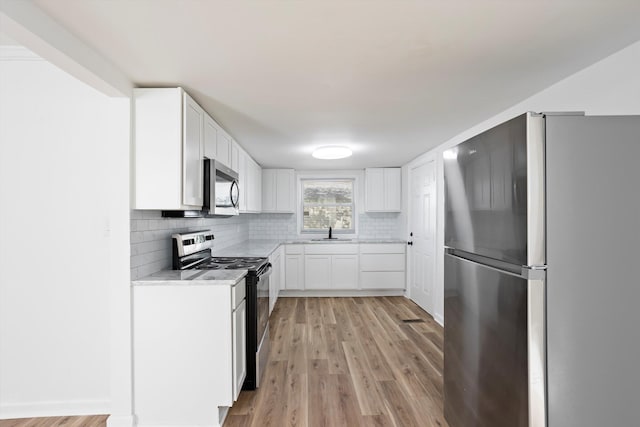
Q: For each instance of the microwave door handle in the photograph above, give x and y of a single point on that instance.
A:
(235, 201)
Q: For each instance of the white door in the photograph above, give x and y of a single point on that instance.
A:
(423, 227)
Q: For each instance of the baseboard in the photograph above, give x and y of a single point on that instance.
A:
(54, 408)
(121, 421)
(345, 293)
(438, 318)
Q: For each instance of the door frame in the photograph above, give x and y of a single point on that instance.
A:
(429, 157)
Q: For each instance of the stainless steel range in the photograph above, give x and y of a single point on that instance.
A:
(193, 251)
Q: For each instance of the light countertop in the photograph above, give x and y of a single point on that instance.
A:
(264, 248)
(192, 277)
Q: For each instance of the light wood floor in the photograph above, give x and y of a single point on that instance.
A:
(348, 362)
(88, 421)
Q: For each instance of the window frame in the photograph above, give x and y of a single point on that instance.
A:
(354, 205)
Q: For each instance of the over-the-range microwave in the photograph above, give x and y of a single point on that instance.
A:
(221, 197)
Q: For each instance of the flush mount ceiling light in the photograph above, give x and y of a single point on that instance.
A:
(332, 152)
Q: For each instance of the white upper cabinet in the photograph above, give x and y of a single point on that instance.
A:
(243, 177)
(383, 191)
(223, 148)
(393, 189)
(192, 150)
(235, 156)
(168, 150)
(210, 137)
(250, 175)
(254, 197)
(278, 190)
(173, 135)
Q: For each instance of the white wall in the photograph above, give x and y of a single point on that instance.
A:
(63, 191)
(608, 87)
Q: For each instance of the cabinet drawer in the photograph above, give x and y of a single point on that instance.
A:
(328, 248)
(382, 248)
(238, 292)
(294, 249)
(382, 262)
(382, 280)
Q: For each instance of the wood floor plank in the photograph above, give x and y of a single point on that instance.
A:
(427, 348)
(326, 311)
(367, 392)
(270, 410)
(298, 350)
(300, 310)
(335, 352)
(297, 408)
(236, 421)
(375, 421)
(401, 413)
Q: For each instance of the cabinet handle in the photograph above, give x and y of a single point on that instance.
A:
(410, 243)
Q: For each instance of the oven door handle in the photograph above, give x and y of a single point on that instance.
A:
(266, 271)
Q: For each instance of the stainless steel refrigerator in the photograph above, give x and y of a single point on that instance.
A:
(542, 235)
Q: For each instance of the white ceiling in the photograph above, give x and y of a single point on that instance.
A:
(391, 79)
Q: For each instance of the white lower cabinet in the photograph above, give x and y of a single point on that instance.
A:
(317, 271)
(344, 272)
(293, 267)
(331, 266)
(382, 266)
(189, 352)
(239, 347)
(345, 266)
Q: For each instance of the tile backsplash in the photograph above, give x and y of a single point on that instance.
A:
(151, 234)
(285, 227)
(151, 237)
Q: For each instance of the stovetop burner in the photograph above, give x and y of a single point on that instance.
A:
(231, 263)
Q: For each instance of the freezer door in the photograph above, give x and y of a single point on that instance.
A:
(494, 192)
(494, 370)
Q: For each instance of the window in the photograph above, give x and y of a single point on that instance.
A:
(327, 203)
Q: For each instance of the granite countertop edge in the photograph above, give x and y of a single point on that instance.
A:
(192, 278)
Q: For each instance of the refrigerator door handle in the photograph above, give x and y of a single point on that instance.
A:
(537, 351)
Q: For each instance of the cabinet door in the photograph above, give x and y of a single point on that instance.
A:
(192, 153)
(294, 272)
(258, 187)
(243, 176)
(374, 189)
(235, 156)
(269, 190)
(344, 271)
(392, 189)
(317, 271)
(251, 185)
(210, 137)
(285, 192)
(223, 148)
(239, 348)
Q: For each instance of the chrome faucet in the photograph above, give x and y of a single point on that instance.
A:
(330, 232)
